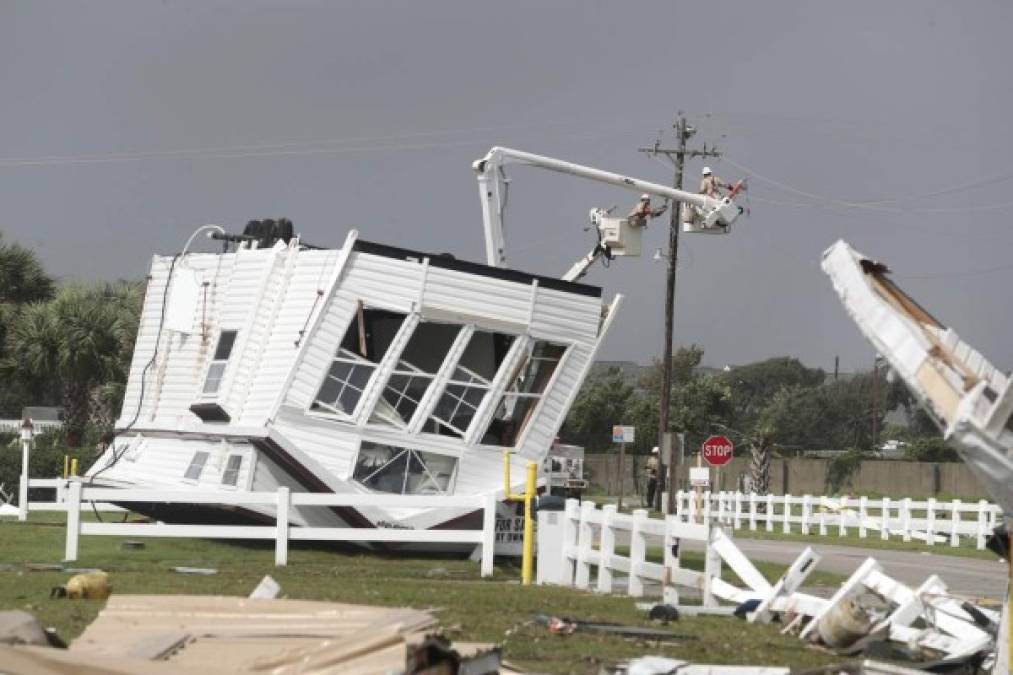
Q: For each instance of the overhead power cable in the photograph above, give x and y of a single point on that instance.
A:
(317, 147)
(878, 205)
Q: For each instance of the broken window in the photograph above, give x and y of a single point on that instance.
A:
(230, 476)
(414, 372)
(366, 341)
(517, 405)
(388, 468)
(469, 383)
(216, 371)
(193, 472)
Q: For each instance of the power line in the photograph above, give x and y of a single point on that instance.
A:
(296, 148)
(877, 205)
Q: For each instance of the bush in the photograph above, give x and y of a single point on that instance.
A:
(46, 458)
(930, 450)
(841, 468)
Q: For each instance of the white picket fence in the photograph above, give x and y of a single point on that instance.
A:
(577, 548)
(583, 538)
(14, 426)
(930, 521)
(282, 531)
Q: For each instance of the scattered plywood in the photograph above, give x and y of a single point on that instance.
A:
(242, 635)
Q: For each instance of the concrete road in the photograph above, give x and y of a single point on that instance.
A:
(964, 576)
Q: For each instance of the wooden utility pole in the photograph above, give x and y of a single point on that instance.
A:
(677, 156)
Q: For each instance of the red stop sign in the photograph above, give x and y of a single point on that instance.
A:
(717, 450)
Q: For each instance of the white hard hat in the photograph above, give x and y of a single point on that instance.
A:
(645, 197)
(654, 450)
(706, 170)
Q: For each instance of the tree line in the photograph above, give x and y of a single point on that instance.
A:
(777, 406)
(64, 344)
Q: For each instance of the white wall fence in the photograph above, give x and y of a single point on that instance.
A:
(282, 530)
(930, 521)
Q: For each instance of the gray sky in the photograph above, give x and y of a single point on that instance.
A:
(125, 124)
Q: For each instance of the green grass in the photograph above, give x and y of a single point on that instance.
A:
(496, 610)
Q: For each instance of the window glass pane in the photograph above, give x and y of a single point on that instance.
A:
(485, 353)
(469, 383)
(214, 378)
(365, 343)
(397, 470)
(193, 471)
(517, 405)
(225, 342)
(421, 358)
(230, 476)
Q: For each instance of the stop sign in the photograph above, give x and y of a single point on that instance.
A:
(717, 450)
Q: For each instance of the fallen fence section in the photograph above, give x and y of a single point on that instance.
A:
(578, 548)
(930, 521)
(282, 531)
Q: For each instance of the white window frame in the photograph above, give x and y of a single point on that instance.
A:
(203, 465)
(203, 394)
(451, 482)
(509, 391)
(475, 381)
(242, 457)
(318, 408)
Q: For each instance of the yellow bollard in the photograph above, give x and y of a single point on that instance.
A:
(528, 497)
(66, 466)
(73, 467)
(528, 552)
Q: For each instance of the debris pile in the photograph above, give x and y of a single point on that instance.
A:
(153, 634)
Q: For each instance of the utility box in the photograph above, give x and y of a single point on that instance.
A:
(563, 469)
(622, 236)
(552, 567)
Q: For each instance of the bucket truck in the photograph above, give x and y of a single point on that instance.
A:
(616, 236)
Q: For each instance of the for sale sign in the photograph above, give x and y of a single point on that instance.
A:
(717, 450)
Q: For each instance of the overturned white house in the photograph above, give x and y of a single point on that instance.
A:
(366, 368)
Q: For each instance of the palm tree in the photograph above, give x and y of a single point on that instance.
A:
(22, 279)
(76, 341)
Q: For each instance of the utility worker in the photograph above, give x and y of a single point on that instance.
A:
(652, 476)
(711, 184)
(642, 211)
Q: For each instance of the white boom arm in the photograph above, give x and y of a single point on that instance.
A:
(492, 190)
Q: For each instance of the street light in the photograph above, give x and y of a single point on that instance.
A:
(27, 432)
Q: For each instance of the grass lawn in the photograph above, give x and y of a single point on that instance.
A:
(496, 610)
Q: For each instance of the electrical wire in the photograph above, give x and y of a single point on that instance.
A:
(878, 205)
(320, 147)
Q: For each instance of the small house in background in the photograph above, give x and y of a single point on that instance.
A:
(362, 369)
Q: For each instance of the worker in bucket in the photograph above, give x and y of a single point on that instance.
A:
(642, 211)
(711, 185)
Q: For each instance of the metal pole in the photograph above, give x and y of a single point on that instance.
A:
(26, 443)
(622, 474)
(527, 554)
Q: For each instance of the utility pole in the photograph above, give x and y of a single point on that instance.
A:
(677, 156)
